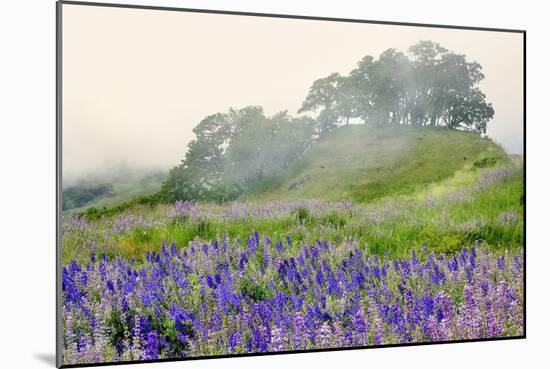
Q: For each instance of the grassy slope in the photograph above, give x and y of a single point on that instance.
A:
(413, 188)
(363, 163)
(444, 216)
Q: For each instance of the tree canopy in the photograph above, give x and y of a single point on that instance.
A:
(427, 86)
(232, 151)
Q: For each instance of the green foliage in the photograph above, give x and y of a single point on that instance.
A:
(430, 86)
(115, 327)
(302, 215)
(324, 95)
(150, 200)
(170, 331)
(199, 175)
(334, 219)
(486, 162)
(255, 291)
(141, 235)
(205, 230)
(232, 151)
(180, 220)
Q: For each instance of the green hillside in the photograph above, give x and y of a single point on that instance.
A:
(363, 163)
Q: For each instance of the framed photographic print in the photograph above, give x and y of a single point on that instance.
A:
(235, 184)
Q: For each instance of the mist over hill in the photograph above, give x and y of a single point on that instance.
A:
(109, 185)
(363, 163)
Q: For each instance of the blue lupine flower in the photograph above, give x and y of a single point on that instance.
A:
(319, 278)
(152, 346)
(500, 263)
(234, 341)
(229, 302)
(289, 241)
(210, 281)
(359, 321)
(110, 285)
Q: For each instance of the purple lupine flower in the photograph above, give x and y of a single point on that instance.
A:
(444, 306)
(471, 312)
(500, 263)
(359, 321)
(319, 277)
(493, 326)
(152, 346)
(235, 340)
(378, 332)
(300, 331)
(280, 247)
(414, 258)
(289, 241)
(323, 336)
(210, 282)
(277, 339)
(110, 285)
(453, 265)
(221, 302)
(473, 258)
(266, 257)
(376, 272)
(242, 261)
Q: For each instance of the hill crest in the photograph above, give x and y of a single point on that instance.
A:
(363, 163)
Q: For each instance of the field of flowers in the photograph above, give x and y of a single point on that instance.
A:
(201, 279)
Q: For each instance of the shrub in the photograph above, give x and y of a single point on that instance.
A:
(302, 215)
(334, 219)
(487, 162)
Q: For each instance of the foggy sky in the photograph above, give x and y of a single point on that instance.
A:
(136, 82)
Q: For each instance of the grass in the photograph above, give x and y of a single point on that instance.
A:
(410, 187)
(444, 217)
(364, 163)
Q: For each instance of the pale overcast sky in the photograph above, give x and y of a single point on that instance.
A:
(135, 82)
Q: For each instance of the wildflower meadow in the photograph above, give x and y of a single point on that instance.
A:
(197, 279)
